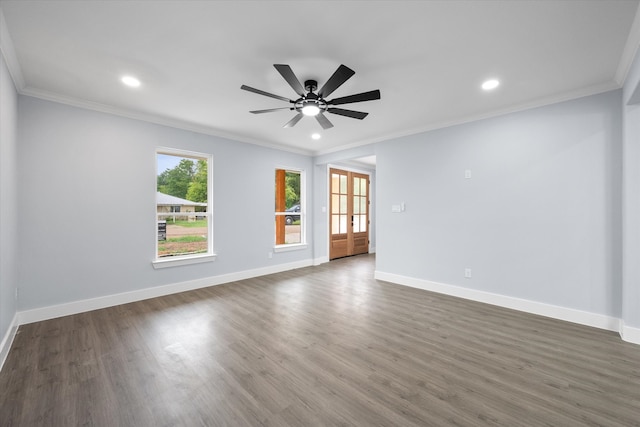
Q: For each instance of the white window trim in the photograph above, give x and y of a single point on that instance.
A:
(209, 256)
(303, 214)
(290, 247)
(184, 260)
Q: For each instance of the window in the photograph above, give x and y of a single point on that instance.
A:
(183, 208)
(289, 209)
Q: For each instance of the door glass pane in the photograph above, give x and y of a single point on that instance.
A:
(363, 223)
(335, 224)
(343, 224)
(356, 186)
(343, 204)
(363, 205)
(335, 183)
(335, 204)
(363, 187)
(356, 205)
(343, 184)
(356, 223)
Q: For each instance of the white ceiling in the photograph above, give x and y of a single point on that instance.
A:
(428, 58)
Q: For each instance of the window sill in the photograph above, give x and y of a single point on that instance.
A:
(291, 247)
(178, 261)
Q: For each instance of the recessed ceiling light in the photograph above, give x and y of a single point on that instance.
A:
(315, 136)
(490, 84)
(130, 81)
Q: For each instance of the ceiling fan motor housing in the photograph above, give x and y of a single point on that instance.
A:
(311, 85)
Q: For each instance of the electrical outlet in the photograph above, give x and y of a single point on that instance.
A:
(467, 273)
(270, 254)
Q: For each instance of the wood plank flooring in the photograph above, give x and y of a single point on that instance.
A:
(318, 346)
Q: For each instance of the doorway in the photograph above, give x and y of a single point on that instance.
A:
(349, 213)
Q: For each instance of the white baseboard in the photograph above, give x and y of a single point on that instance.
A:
(7, 340)
(542, 309)
(75, 307)
(321, 260)
(629, 334)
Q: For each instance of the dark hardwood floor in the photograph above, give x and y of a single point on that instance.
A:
(318, 346)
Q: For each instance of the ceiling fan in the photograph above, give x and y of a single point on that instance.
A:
(315, 104)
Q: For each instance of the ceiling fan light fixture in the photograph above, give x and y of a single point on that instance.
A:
(310, 109)
(315, 136)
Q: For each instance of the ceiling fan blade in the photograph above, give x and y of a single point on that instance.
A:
(348, 113)
(359, 97)
(270, 110)
(261, 92)
(290, 77)
(324, 122)
(341, 75)
(291, 123)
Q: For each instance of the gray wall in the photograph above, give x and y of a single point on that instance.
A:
(87, 204)
(540, 218)
(631, 200)
(8, 200)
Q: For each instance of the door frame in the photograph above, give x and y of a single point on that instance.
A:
(327, 196)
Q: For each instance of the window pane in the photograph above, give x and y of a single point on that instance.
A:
(288, 197)
(292, 234)
(182, 205)
(292, 188)
(183, 235)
